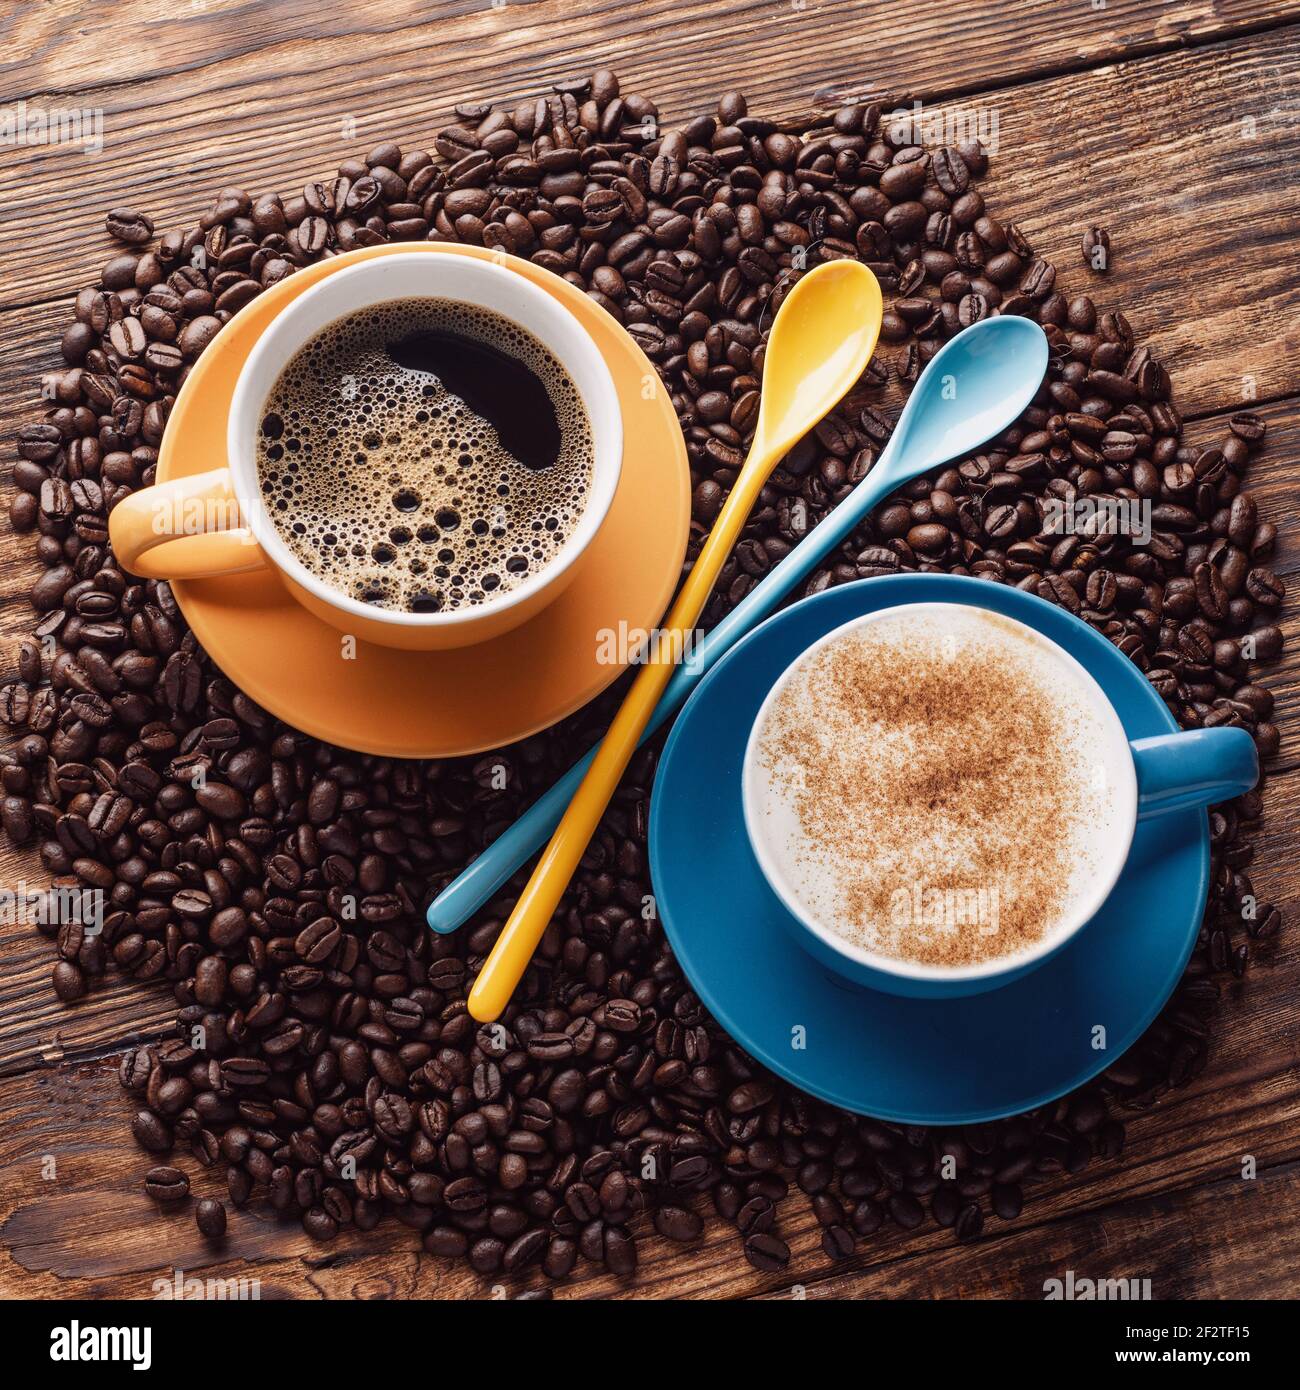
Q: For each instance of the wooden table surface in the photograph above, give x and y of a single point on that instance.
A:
(1176, 123)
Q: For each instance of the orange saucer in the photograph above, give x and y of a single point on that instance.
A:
(441, 704)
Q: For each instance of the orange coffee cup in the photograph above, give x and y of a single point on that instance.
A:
(216, 523)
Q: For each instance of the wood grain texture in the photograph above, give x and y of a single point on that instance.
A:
(68, 47)
(1187, 157)
(74, 1221)
(1176, 125)
(1188, 1243)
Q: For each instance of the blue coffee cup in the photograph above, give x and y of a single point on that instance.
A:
(1150, 777)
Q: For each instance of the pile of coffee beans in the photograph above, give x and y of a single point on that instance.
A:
(323, 1058)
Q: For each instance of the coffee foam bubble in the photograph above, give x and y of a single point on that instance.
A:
(392, 490)
(938, 786)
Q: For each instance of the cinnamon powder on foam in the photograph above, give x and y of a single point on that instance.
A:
(944, 760)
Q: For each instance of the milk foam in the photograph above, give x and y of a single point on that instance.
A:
(938, 785)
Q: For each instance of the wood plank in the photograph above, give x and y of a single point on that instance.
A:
(65, 47)
(1223, 1240)
(74, 1221)
(1161, 141)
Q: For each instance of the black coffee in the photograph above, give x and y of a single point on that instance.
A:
(424, 455)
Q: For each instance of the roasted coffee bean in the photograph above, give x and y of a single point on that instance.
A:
(151, 1133)
(1008, 1200)
(838, 1242)
(324, 1054)
(678, 1223)
(767, 1252)
(620, 1252)
(970, 1221)
(210, 1217)
(128, 225)
(166, 1184)
(69, 981)
(1265, 588)
(906, 1210)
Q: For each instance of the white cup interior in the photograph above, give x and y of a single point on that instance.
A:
(423, 275)
(1114, 851)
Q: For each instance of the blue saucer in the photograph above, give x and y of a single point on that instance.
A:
(915, 1061)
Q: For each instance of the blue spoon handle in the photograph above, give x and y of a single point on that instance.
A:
(511, 850)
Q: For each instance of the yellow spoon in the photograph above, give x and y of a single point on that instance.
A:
(821, 341)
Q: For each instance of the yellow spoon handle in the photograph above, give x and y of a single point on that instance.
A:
(514, 948)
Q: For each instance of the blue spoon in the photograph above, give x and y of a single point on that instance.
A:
(974, 387)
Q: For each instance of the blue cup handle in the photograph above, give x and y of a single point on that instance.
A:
(1198, 767)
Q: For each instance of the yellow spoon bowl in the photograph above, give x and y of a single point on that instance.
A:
(821, 341)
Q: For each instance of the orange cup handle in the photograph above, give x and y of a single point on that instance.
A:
(189, 528)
